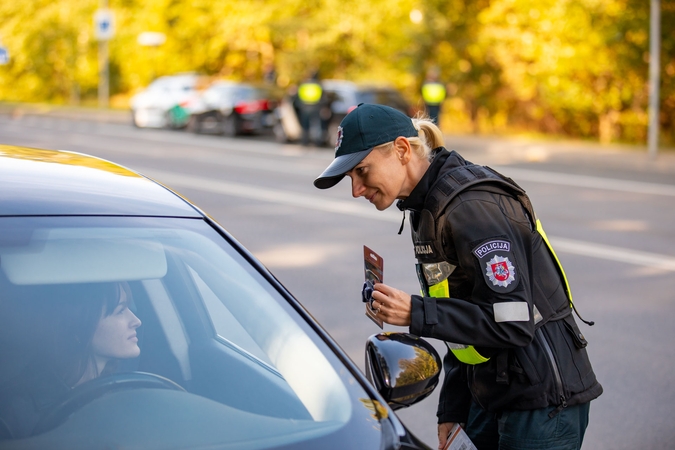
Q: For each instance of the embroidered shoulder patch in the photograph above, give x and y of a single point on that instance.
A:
(498, 265)
(491, 246)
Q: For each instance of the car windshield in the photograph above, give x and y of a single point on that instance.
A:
(253, 370)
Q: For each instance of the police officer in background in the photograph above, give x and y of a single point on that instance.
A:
(517, 374)
(308, 103)
(433, 94)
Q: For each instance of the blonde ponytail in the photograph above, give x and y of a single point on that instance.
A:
(430, 137)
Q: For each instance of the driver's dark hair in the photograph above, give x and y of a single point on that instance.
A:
(69, 317)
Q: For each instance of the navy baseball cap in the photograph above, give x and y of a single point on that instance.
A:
(364, 128)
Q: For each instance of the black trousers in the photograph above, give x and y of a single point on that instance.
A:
(528, 430)
(433, 111)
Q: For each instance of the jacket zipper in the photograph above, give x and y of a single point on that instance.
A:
(471, 376)
(556, 373)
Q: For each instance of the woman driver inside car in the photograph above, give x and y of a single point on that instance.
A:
(82, 330)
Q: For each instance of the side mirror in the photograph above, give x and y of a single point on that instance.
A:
(404, 368)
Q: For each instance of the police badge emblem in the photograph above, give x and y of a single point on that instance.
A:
(500, 271)
(498, 264)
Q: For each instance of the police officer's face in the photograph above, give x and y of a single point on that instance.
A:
(380, 178)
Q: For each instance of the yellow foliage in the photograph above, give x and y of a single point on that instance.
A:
(562, 66)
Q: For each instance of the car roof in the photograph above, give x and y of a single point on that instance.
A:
(48, 182)
(338, 84)
(231, 86)
(231, 83)
(178, 78)
(357, 86)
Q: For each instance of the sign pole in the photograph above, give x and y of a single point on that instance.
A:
(654, 77)
(103, 81)
(104, 30)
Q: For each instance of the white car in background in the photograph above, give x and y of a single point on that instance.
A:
(163, 103)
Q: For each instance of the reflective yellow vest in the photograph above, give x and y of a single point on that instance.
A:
(433, 93)
(436, 276)
(310, 93)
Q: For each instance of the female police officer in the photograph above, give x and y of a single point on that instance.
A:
(517, 373)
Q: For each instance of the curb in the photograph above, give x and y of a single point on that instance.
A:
(17, 111)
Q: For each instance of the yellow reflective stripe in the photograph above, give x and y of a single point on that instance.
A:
(469, 355)
(309, 92)
(541, 231)
(441, 290)
(464, 353)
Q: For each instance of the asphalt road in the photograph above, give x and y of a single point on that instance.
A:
(609, 212)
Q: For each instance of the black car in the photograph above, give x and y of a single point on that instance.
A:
(232, 108)
(340, 96)
(346, 95)
(130, 319)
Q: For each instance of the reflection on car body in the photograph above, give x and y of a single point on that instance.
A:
(228, 358)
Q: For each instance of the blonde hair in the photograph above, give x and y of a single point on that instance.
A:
(429, 137)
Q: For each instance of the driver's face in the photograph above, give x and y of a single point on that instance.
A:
(115, 336)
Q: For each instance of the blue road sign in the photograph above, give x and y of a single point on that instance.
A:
(4, 55)
(104, 23)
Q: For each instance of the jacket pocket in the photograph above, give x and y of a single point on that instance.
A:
(522, 365)
(569, 348)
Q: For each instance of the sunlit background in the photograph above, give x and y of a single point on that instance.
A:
(576, 68)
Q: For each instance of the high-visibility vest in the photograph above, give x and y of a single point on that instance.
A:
(433, 93)
(439, 273)
(310, 93)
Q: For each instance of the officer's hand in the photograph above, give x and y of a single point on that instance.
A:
(394, 305)
(443, 432)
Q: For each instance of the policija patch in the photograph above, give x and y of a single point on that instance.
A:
(497, 265)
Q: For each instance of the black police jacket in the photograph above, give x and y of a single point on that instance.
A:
(507, 295)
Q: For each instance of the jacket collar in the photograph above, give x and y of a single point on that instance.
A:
(443, 161)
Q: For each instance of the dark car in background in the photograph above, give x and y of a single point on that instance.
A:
(232, 108)
(341, 96)
(346, 95)
(228, 359)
